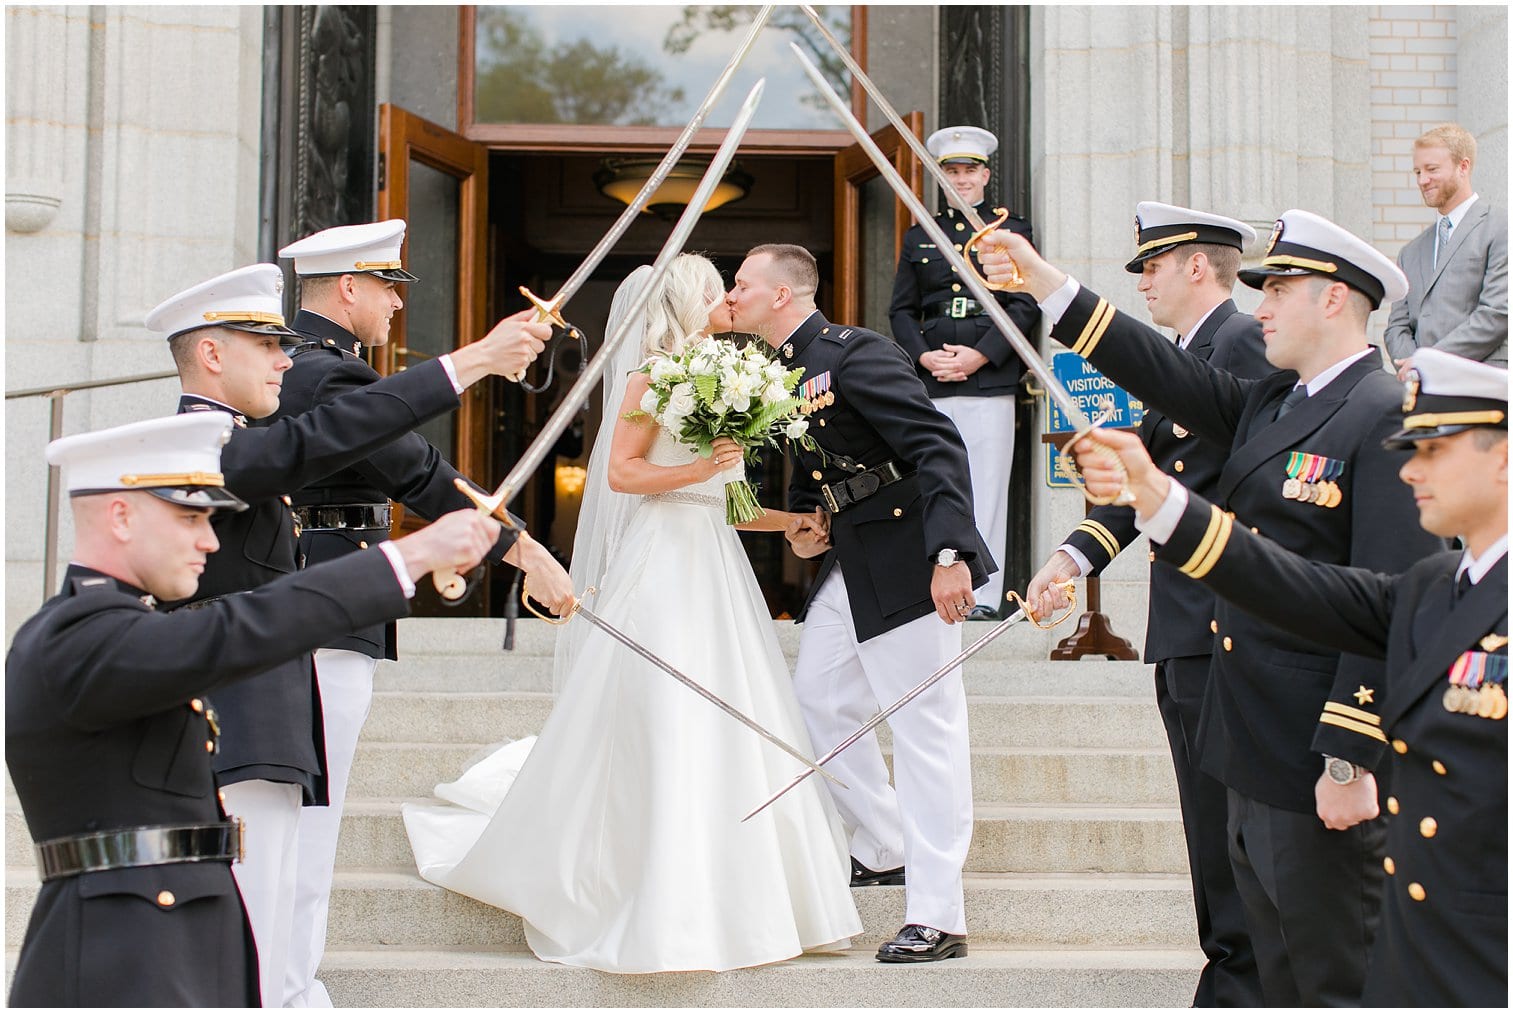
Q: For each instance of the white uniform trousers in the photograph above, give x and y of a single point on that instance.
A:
(986, 425)
(346, 694)
(926, 826)
(269, 810)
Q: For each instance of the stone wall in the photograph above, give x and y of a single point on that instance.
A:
(132, 169)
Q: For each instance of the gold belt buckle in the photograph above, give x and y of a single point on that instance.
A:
(830, 499)
(958, 308)
(241, 838)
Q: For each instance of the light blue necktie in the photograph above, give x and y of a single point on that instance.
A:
(1442, 239)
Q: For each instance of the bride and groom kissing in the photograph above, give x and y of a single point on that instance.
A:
(616, 835)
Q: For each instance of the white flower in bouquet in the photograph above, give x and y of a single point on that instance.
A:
(649, 401)
(703, 363)
(774, 371)
(682, 402)
(665, 369)
(737, 388)
(796, 429)
(774, 392)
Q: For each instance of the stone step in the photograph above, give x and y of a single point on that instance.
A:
(1107, 722)
(988, 976)
(1004, 839)
(495, 671)
(399, 909)
(1000, 775)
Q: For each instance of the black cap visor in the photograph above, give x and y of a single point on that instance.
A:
(207, 496)
(1165, 238)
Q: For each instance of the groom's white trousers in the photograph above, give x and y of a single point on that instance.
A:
(926, 824)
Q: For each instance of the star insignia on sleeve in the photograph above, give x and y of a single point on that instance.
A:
(1364, 696)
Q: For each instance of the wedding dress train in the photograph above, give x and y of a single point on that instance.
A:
(619, 841)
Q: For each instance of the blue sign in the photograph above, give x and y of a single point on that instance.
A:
(1090, 391)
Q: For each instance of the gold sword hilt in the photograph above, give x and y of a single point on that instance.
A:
(548, 311)
(1016, 282)
(1066, 463)
(562, 620)
(1068, 586)
(450, 584)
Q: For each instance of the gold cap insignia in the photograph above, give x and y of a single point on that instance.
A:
(278, 284)
(1137, 230)
(1276, 233)
(1410, 390)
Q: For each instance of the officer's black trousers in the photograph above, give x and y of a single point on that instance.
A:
(1312, 898)
(1229, 977)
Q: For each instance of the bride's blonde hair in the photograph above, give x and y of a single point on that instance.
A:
(678, 309)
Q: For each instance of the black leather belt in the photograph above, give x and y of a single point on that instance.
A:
(343, 516)
(850, 491)
(957, 309)
(140, 846)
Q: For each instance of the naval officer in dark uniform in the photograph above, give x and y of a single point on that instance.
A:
(1438, 718)
(110, 740)
(969, 369)
(1308, 470)
(1187, 261)
(884, 610)
(225, 338)
(349, 291)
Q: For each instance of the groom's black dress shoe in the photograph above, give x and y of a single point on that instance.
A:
(863, 876)
(917, 944)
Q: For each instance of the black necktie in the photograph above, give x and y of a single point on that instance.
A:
(1294, 397)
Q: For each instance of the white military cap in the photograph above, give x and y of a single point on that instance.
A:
(177, 458)
(247, 299)
(1444, 394)
(961, 144)
(1305, 243)
(1161, 227)
(373, 249)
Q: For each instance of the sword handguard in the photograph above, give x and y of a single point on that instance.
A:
(1069, 586)
(1016, 282)
(525, 599)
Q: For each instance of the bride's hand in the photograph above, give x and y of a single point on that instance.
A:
(724, 454)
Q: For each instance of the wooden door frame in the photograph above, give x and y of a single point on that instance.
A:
(852, 170)
(403, 136)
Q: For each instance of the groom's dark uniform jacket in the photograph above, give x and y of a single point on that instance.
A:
(894, 466)
(271, 728)
(1443, 939)
(327, 364)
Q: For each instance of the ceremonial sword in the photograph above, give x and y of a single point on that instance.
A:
(960, 260)
(934, 677)
(550, 310)
(578, 608)
(451, 584)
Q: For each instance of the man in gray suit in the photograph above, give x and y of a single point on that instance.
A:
(1458, 267)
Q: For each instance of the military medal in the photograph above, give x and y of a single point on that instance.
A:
(1293, 487)
(1493, 642)
(1476, 686)
(816, 394)
(788, 350)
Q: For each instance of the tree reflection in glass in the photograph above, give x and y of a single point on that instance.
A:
(550, 64)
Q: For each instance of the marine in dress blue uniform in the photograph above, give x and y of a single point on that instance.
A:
(1187, 260)
(943, 330)
(1437, 719)
(1308, 470)
(110, 739)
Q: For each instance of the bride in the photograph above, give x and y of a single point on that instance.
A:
(619, 842)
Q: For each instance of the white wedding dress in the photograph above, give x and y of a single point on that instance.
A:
(620, 842)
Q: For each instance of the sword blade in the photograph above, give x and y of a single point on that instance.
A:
(812, 767)
(915, 144)
(984, 296)
(883, 715)
(659, 175)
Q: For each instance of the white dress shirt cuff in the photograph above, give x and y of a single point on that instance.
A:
(1056, 303)
(446, 364)
(1164, 521)
(401, 571)
(1084, 567)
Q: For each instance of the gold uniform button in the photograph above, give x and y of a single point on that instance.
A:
(955, 287)
(1392, 806)
(1150, 556)
(221, 795)
(1416, 891)
(824, 330)
(197, 705)
(1428, 826)
(1178, 467)
(816, 475)
(362, 545)
(1439, 768)
(960, 227)
(958, 247)
(288, 501)
(924, 260)
(1389, 865)
(898, 511)
(209, 746)
(1399, 746)
(1229, 645)
(1255, 531)
(1213, 626)
(166, 898)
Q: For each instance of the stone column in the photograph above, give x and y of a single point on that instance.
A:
(1481, 53)
(36, 76)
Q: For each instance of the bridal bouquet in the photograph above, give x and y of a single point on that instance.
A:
(715, 389)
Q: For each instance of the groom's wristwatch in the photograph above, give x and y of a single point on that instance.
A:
(947, 557)
(1342, 772)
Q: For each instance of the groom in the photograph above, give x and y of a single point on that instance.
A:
(885, 608)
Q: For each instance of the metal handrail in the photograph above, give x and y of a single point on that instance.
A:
(55, 393)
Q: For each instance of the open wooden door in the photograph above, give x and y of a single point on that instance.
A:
(437, 181)
(870, 222)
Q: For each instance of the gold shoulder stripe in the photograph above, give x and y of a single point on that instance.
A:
(1352, 726)
(1094, 328)
(1226, 527)
(1102, 535)
(1330, 707)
